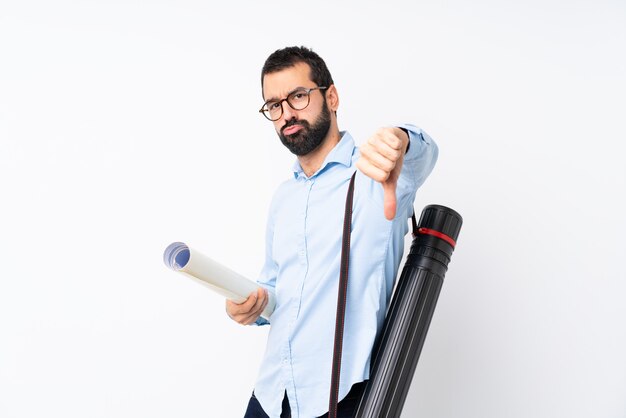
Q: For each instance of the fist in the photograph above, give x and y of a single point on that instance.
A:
(381, 159)
(248, 311)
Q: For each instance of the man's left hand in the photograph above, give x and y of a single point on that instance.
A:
(381, 159)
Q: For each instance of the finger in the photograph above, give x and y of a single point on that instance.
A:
(383, 146)
(250, 319)
(389, 188)
(382, 160)
(266, 299)
(247, 305)
(230, 305)
(260, 298)
(234, 312)
(234, 309)
(258, 307)
(246, 318)
(371, 171)
(388, 136)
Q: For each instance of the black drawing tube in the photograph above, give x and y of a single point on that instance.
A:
(400, 343)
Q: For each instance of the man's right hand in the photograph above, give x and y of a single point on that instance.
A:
(248, 311)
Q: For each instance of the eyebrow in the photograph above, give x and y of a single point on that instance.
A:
(274, 99)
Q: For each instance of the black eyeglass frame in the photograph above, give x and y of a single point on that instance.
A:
(265, 111)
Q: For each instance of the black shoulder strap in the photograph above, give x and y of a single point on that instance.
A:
(341, 299)
(341, 302)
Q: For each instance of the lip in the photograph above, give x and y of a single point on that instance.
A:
(290, 130)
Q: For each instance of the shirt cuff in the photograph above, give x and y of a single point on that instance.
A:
(417, 141)
(406, 131)
(261, 321)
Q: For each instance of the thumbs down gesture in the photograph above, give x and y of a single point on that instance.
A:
(381, 159)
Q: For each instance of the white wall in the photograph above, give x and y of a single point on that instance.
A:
(127, 125)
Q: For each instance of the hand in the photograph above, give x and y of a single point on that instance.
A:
(248, 311)
(381, 159)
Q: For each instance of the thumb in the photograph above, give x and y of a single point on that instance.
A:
(389, 189)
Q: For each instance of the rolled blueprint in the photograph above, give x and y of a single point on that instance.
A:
(179, 257)
(408, 318)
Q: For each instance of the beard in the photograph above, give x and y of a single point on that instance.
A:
(310, 136)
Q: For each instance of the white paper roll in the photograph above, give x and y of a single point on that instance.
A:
(179, 257)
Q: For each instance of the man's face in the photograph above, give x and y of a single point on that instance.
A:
(301, 131)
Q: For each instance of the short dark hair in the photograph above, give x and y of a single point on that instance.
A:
(292, 55)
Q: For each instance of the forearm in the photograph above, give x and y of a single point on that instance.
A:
(419, 159)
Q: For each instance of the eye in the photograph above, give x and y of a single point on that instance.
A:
(298, 95)
(272, 105)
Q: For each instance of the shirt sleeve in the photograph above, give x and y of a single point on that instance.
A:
(267, 277)
(419, 162)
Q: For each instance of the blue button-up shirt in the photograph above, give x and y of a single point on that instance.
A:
(303, 252)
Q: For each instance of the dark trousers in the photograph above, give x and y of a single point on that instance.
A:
(346, 408)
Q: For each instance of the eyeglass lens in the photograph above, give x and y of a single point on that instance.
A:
(298, 100)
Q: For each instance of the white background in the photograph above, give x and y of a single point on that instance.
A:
(126, 125)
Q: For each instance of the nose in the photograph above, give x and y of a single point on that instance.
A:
(288, 112)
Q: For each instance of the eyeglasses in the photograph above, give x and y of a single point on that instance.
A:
(298, 99)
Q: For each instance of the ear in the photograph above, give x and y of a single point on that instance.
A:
(332, 98)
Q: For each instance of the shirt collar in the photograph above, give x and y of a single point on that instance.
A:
(341, 154)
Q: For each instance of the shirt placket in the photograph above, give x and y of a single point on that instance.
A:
(301, 248)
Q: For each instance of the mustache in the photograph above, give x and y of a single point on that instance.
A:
(293, 122)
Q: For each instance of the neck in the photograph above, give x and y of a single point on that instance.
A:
(312, 161)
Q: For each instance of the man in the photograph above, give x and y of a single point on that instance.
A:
(303, 240)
